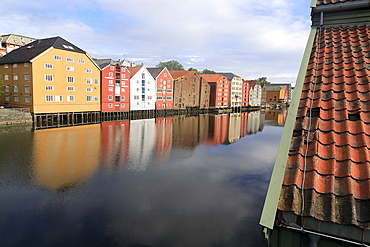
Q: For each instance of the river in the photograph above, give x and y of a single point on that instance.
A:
(177, 181)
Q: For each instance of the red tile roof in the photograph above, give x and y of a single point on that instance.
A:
(179, 73)
(134, 70)
(211, 77)
(337, 172)
(323, 2)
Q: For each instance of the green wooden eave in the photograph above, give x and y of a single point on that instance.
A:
(273, 193)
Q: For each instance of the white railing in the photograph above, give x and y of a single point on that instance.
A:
(13, 111)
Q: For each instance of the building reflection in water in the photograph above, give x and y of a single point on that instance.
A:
(217, 130)
(233, 133)
(65, 157)
(276, 117)
(163, 140)
(141, 144)
(185, 131)
(115, 143)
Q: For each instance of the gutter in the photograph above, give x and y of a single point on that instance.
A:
(340, 6)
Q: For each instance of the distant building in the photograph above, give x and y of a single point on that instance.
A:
(255, 93)
(219, 90)
(287, 91)
(190, 90)
(275, 94)
(50, 76)
(245, 93)
(142, 89)
(11, 42)
(115, 86)
(164, 89)
(236, 84)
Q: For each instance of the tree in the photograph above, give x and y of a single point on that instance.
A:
(207, 71)
(262, 80)
(193, 69)
(171, 65)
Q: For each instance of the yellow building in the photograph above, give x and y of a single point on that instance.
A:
(50, 76)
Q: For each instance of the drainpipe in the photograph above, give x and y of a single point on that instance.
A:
(313, 239)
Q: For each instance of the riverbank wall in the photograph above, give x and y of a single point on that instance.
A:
(15, 116)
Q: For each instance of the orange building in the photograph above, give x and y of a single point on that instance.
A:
(50, 76)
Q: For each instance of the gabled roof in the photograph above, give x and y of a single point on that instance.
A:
(179, 73)
(155, 71)
(16, 39)
(273, 88)
(211, 77)
(228, 75)
(28, 52)
(134, 70)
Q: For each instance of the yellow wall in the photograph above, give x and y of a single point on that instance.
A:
(282, 94)
(60, 73)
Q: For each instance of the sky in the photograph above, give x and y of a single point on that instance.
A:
(248, 38)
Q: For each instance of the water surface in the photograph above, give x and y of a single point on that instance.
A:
(178, 181)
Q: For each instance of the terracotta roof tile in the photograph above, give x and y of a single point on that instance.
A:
(337, 172)
(323, 2)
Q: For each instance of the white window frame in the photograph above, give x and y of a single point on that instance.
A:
(88, 70)
(88, 89)
(70, 98)
(49, 88)
(89, 98)
(70, 79)
(48, 66)
(15, 88)
(15, 76)
(96, 81)
(15, 98)
(110, 97)
(88, 81)
(80, 60)
(26, 65)
(26, 76)
(70, 59)
(96, 98)
(6, 77)
(58, 98)
(49, 77)
(70, 68)
(71, 89)
(27, 99)
(27, 89)
(57, 57)
(49, 98)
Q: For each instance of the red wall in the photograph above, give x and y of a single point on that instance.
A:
(166, 84)
(124, 89)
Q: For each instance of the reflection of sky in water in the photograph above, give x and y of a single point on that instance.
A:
(202, 195)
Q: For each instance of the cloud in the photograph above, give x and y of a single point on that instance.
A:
(249, 38)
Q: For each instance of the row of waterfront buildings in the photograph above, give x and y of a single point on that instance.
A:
(54, 76)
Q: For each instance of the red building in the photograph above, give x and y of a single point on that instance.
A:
(245, 93)
(115, 87)
(164, 88)
(243, 123)
(219, 89)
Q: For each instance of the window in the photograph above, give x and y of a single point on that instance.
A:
(110, 81)
(169, 90)
(123, 83)
(26, 89)
(110, 97)
(15, 77)
(27, 99)
(16, 98)
(160, 85)
(219, 98)
(70, 79)
(123, 76)
(96, 81)
(6, 88)
(89, 98)
(70, 88)
(159, 97)
(136, 96)
(49, 98)
(6, 77)
(96, 98)
(150, 97)
(165, 74)
(123, 105)
(15, 65)
(15, 88)
(69, 68)
(88, 81)
(169, 98)
(81, 61)
(148, 89)
(6, 66)
(90, 71)
(70, 98)
(56, 57)
(70, 59)
(160, 80)
(110, 89)
(123, 69)
(143, 76)
(58, 98)
(26, 65)
(7, 97)
(122, 98)
(111, 67)
(110, 74)
(88, 89)
(137, 89)
(48, 66)
(110, 105)
(122, 90)
(49, 88)
(26, 76)
(49, 78)
(116, 98)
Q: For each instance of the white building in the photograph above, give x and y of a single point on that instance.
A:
(142, 89)
(255, 94)
(235, 87)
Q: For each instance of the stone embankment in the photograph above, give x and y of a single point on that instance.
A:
(9, 116)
